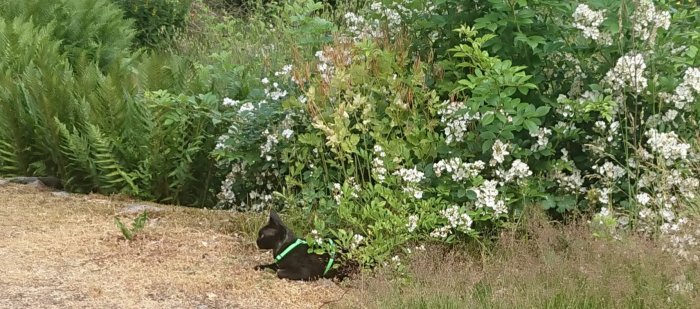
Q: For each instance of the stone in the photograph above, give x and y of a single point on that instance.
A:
(60, 194)
(139, 208)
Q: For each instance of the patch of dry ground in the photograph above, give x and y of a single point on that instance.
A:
(65, 252)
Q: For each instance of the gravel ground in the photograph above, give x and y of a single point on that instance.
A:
(61, 250)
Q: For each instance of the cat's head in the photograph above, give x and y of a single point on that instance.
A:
(273, 233)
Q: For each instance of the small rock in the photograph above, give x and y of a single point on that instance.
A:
(139, 208)
(60, 194)
(36, 184)
(3, 181)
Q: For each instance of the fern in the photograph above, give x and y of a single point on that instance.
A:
(95, 29)
(136, 226)
(112, 178)
(8, 159)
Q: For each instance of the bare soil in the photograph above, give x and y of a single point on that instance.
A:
(64, 251)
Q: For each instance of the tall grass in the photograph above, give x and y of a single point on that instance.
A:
(548, 266)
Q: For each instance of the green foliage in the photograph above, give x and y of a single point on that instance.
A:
(102, 129)
(156, 20)
(361, 149)
(86, 29)
(137, 225)
(388, 125)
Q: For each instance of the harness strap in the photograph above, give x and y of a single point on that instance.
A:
(298, 242)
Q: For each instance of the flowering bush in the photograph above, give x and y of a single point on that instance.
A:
(377, 157)
(384, 150)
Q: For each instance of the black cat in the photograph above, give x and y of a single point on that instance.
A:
(292, 261)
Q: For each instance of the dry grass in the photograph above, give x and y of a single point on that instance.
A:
(65, 252)
(551, 267)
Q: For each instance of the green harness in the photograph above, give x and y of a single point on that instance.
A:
(298, 242)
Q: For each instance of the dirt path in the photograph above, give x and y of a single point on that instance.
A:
(65, 252)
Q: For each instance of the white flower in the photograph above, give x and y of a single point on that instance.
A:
(610, 171)
(265, 81)
(518, 170)
(287, 133)
(668, 145)
(643, 198)
(285, 70)
(628, 72)
(645, 213)
(684, 94)
(265, 149)
(459, 169)
(456, 218)
(230, 102)
(441, 232)
(410, 175)
(588, 21)
(317, 237)
(500, 151)
(356, 240)
(412, 223)
(247, 107)
(670, 115)
(542, 135)
(647, 20)
(668, 214)
(604, 196)
(456, 126)
(487, 196)
(417, 194)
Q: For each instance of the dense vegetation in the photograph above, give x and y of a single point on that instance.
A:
(385, 124)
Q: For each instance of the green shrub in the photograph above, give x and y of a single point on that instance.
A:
(381, 160)
(104, 130)
(156, 20)
(86, 29)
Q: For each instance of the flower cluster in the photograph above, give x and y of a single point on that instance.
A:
(328, 58)
(457, 220)
(685, 94)
(456, 125)
(316, 236)
(588, 21)
(518, 170)
(378, 169)
(542, 135)
(357, 239)
(647, 20)
(609, 171)
(459, 170)
(412, 223)
(412, 177)
(392, 15)
(628, 72)
(270, 141)
(361, 28)
(230, 102)
(667, 145)
(254, 200)
(500, 152)
(487, 196)
(573, 182)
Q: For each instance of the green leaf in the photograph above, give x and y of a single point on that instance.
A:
(530, 125)
(542, 111)
(487, 119)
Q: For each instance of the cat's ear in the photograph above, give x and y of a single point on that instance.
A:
(275, 218)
